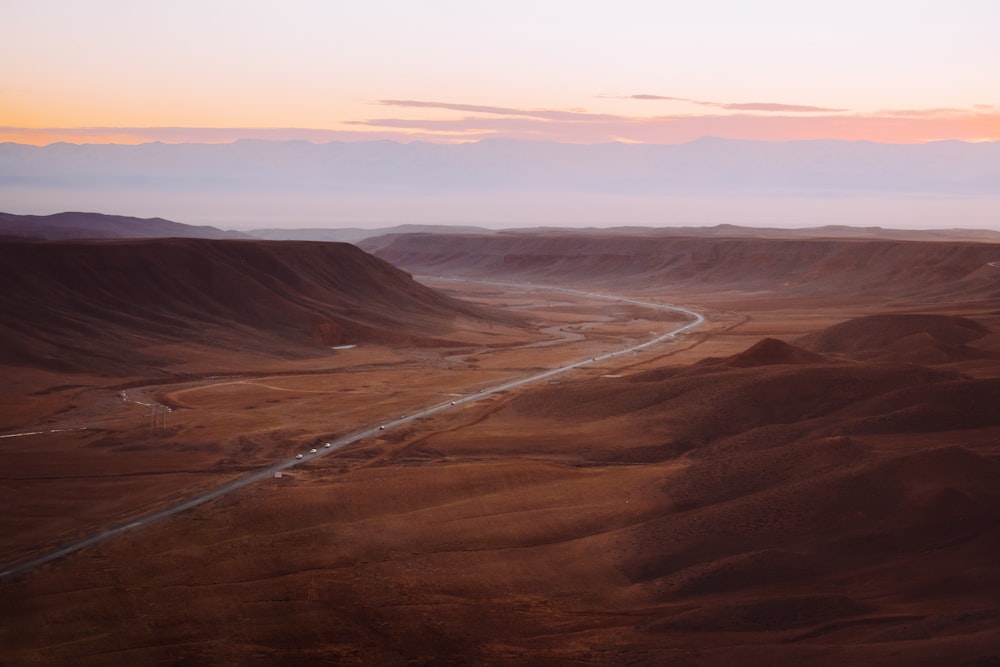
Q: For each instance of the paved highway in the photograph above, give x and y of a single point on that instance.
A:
(696, 320)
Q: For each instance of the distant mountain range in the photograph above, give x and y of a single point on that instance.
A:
(356, 234)
(269, 184)
(75, 225)
(72, 225)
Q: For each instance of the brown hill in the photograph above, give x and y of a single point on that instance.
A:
(98, 304)
(793, 267)
(771, 352)
(918, 338)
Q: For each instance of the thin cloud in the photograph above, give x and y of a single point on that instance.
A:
(775, 107)
(652, 98)
(943, 112)
(546, 114)
(780, 108)
(879, 128)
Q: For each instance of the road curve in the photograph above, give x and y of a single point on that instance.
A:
(697, 319)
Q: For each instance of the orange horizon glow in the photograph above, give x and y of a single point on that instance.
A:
(889, 127)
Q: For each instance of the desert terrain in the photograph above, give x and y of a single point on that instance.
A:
(811, 476)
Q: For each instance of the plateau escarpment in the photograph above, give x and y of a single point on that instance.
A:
(104, 305)
(794, 267)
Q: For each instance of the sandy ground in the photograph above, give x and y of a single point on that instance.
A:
(653, 509)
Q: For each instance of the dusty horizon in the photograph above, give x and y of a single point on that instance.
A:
(503, 184)
(784, 213)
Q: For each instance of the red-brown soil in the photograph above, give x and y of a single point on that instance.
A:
(812, 478)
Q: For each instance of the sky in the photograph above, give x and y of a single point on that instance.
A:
(131, 71)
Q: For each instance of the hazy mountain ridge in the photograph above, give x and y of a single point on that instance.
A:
(359, 235)
(743, 231)
(77, 225)
(356, 234)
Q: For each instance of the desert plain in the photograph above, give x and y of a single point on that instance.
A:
(811, 476)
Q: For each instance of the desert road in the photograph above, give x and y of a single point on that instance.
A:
(696, 320)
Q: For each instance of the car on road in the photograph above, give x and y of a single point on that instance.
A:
(453, 402)
(312, 451)
(328, 445)
(298, 456)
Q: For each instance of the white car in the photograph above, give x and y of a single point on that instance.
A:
(453, 402)
(312, 451)
(298, 456)
(328, 445)
(381, 428)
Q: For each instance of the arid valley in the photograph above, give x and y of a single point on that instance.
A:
(809, 476)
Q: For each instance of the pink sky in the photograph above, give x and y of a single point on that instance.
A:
(118, 71)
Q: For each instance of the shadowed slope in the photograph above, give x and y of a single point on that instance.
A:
(81, 304)
(904, 337)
